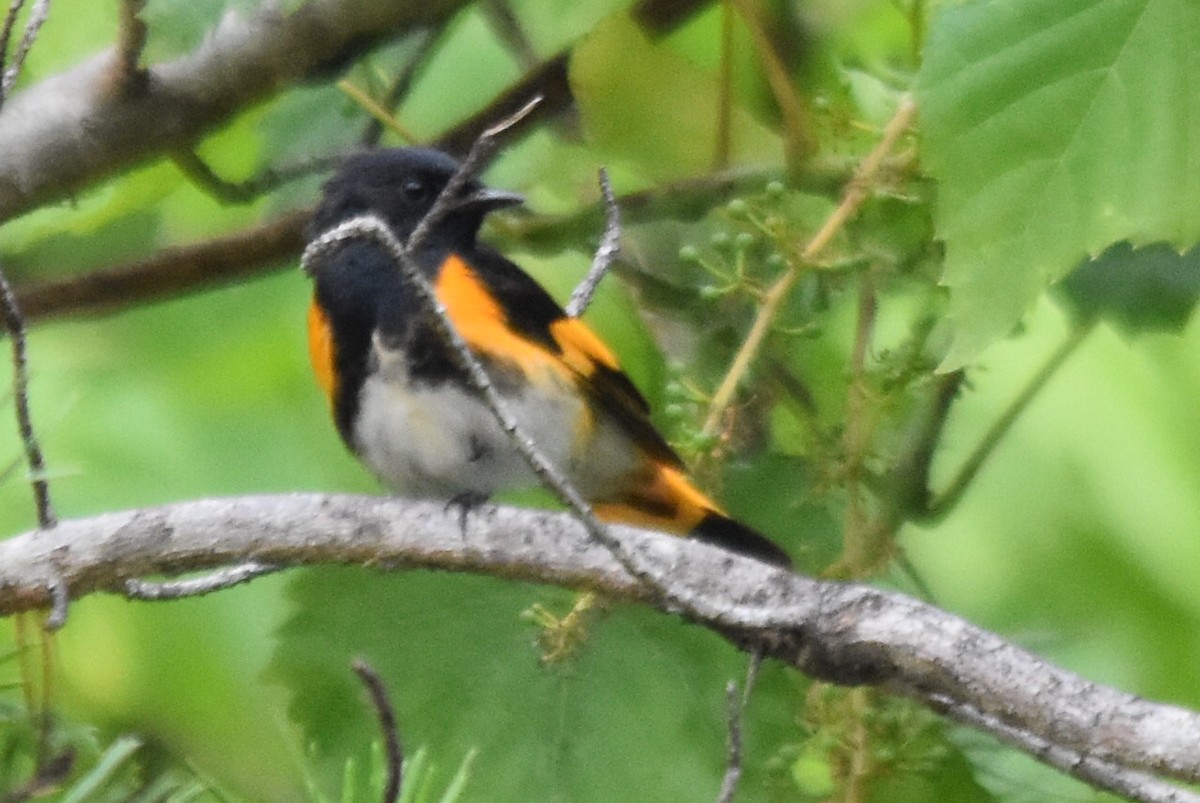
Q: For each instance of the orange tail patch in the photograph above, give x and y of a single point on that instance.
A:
(661, 498)
(664, 499)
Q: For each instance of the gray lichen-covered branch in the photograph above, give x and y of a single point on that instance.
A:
(107, 114)
(840, 632)
(90, 122)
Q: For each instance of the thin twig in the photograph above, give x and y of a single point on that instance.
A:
(733, 766)
(6, 32)
(735, 710)
(481, 150)
(171, 271)
(198, 586)
(547, 81)
(14, 322)
(610, 244)
(856, 192)
(58, 588)
(131, 39)
(723, 138)
(380, 114)
(949, 498)
(860, 534)
(37, 17)
(798, 139)
(504, 23)
(203, 176)
(401, 86)
(393, 748)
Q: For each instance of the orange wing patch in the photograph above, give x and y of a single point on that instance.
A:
(581, 357)
(582, 350)
(482, 322)
(320, 350)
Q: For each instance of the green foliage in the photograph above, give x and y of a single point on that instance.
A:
(613, 104)
(1149, 289)
(99, 773)
(1051, 129)
(477, 685)
(1047, 149)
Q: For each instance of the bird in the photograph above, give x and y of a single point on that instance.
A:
(402, 403)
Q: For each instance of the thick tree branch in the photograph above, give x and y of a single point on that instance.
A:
(170, 272)
(841, 632)
(83, 125)
(79, 126)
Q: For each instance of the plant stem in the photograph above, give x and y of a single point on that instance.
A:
(856, 192)
(949, 498)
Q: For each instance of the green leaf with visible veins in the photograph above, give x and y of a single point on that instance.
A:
(1056, 128)
(636, 714)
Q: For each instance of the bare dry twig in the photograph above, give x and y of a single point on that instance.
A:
(131, 39)
(602, 260)
(6, 32)
(735, 710)
(393, 749)
(733, 724)
(9, 71)
(1095, 772)
(199, 586)
(14, 322)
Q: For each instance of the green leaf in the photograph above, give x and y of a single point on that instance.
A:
(643, 111)
(644, 693)
(1151, 288)
(1056, 128)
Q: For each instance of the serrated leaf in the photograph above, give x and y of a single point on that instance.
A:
(646, 692)
(1153, 288)
(1056, 128)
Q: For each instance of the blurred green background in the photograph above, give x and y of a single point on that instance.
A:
(1077, 539)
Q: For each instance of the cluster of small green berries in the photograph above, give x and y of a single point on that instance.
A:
(684, 405)
(738, 253)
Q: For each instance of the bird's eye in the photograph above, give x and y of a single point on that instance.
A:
(414, 190)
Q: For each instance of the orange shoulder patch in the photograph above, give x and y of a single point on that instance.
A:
(320, 350)
(579, 356)
(482, 321)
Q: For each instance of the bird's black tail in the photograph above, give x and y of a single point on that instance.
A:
(731, 534)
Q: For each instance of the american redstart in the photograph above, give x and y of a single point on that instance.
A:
(403, 405)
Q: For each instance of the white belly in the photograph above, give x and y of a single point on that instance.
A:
(439, 441)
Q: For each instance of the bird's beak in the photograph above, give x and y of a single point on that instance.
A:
(486, 199)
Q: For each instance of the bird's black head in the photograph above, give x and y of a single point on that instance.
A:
(401, 185)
